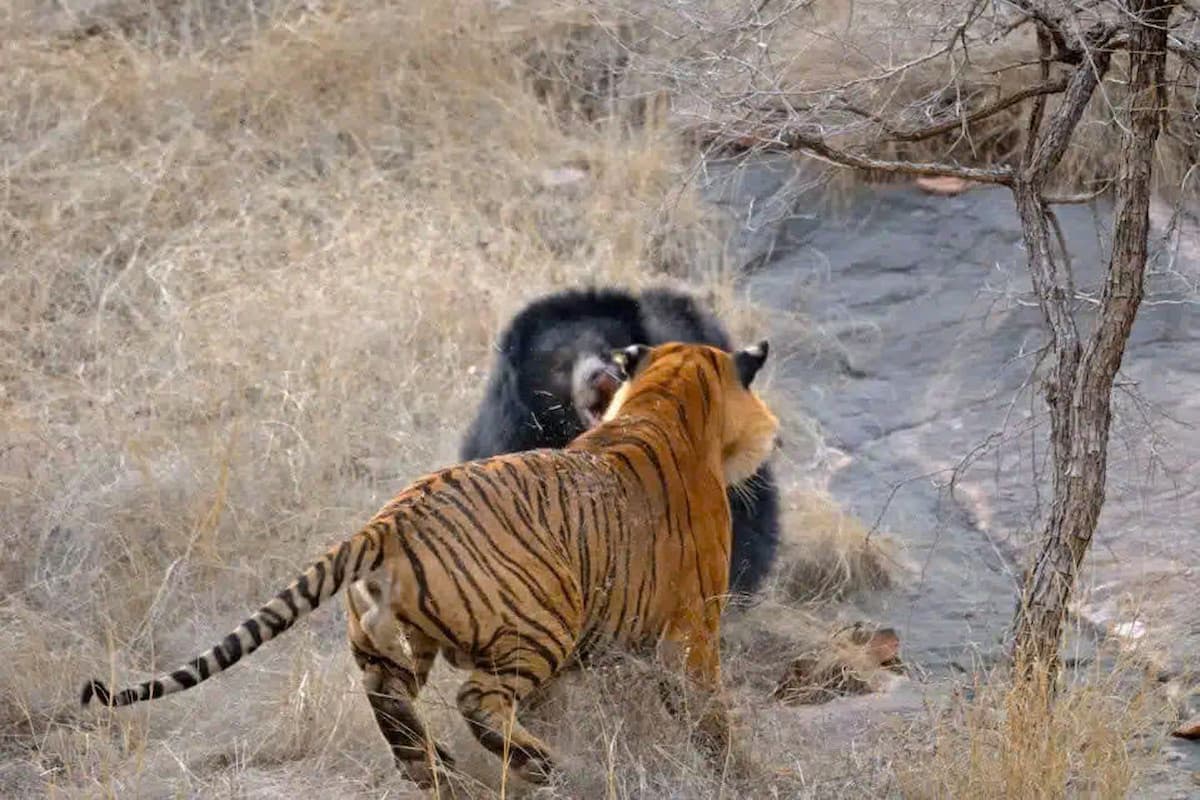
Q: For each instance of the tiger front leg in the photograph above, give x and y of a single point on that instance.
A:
(693, 650)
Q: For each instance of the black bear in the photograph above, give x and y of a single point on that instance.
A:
(554, 376)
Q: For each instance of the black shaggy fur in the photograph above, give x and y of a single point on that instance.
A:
(528, 401)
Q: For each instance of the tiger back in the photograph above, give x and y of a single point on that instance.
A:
(513, 566)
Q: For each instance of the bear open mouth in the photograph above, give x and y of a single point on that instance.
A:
(598, 392)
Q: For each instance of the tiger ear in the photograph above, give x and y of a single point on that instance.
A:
(628, 358)
(750, 361)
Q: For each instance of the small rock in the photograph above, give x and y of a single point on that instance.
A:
(562, 176)
(944, 186)
(1188, 730)
(884, 647)
(1129, 630)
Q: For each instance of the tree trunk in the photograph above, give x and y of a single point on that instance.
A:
(1079, 391)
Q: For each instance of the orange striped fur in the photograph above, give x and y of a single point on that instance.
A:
(514, 567)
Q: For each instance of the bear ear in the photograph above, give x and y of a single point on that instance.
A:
(750, 361)
(628, 358)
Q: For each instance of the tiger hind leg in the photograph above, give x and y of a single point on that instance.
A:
(488, 701)
(393, 676)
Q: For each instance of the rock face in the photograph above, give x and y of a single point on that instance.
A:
(925, 337)
(924, 340)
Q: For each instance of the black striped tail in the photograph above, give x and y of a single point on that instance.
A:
(344, 564)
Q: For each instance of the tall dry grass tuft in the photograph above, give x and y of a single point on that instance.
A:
(1005, 740)
(830, 554)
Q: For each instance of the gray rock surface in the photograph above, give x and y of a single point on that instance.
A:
(920, 367)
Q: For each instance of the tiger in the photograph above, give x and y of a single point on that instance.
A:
(518, 566)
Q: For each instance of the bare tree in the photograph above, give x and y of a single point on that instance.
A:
(1079, 390)
(743, 97)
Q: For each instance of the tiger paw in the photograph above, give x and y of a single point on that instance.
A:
(427, 773)
(534, 768)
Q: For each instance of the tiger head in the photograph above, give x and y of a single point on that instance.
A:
(749, 431)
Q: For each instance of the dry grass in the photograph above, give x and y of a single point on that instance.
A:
(256, 254)
(1004, 741)
(831, 554)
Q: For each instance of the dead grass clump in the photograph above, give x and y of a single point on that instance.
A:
(168, 26)
(578, 62)
(804, 654)
(855, 660)
(622, 742)
(830, 554)
(1006, 740)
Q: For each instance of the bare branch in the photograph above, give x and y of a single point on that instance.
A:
(1063, 252)
(1039, 105)
(1052, 286)
(1188, 51)
(895, 134)
(795, 140)
(1059, 129)
(1070, 45)
(1131, 231)
(959, 36)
